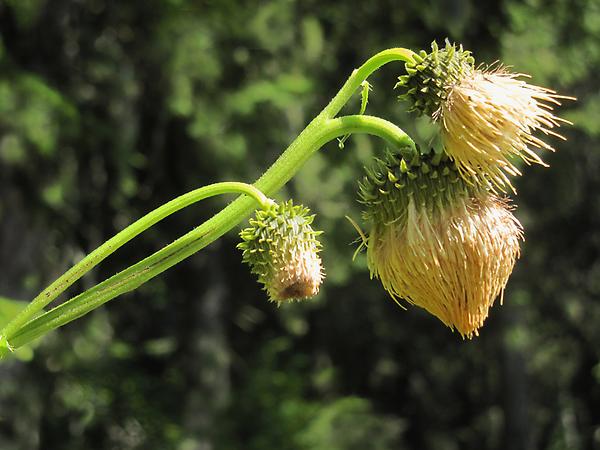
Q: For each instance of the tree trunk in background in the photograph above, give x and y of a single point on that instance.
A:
(21, 405)
(514, 384)
(207, 371)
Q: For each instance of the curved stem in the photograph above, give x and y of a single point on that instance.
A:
(365, 124)
(190, 243)
(95, 257)
(321, 129)
(362, 73)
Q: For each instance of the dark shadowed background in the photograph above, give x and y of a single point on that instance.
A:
(108, 109)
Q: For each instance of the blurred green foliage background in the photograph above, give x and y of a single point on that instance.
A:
(108, 109)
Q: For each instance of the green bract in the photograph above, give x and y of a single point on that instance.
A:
(431, 180)
(282, 248)
(430, 74)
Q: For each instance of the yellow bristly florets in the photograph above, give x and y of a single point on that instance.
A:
(454, 265)
(436, 241)
(487, 117)
(491, 116)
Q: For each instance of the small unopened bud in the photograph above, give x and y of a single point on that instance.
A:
(487, 116)
(439, 242)
(282, 249)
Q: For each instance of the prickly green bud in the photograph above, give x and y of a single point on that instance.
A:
(430, 74)
(282, 248)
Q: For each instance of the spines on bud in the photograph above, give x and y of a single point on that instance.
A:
(429, 75)
(282, 248)
(429, 179)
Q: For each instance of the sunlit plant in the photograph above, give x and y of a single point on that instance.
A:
(441, 235)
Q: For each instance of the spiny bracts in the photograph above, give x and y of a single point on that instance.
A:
(425, 86)
(282, 249)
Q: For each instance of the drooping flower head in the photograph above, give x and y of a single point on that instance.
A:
(437, 241)
(281, 247)
(487, 115)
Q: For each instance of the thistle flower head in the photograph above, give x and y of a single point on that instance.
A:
(282, 248)
(439, 243)
(487, 116)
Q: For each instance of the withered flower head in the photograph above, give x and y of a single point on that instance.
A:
(436, 241)
(282, 248)
(487, 116)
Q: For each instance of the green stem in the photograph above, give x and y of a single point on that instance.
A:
(136, 275)
(364, 124)
(361, 74)
(321, 129)
(95, 257)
